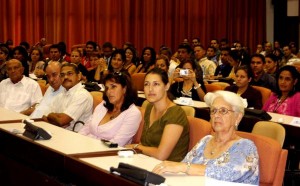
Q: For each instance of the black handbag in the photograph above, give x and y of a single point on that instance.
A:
(91, 86)
(260, 114)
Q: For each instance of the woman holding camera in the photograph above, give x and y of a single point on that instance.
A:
(190, 86)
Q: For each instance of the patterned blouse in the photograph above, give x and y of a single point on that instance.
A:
(240, 163)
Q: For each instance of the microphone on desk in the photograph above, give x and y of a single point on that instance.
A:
(33, 132)
(137, 175)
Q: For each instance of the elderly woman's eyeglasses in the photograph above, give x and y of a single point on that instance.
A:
(221, 111)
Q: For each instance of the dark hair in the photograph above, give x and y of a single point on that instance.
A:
(55, 46)
(63, 48)
(246, 69)
(40, 53)
(228, 49)
(163, 74)
(295, 75)
(165, 58)
(107, 45)
(235, 55)
(94, 44)
(5, 50)
(190, 62)
(74, 67)
(25, 44)
(215, 50)
(259, 56)
(164, 48)
(186, 47)
(124, 79)
(152, 59)
(24, 53)
(134, 56)
(123, 57)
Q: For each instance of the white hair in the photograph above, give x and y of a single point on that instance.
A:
(231, 98)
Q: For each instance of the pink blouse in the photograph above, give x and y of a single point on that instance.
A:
(119, 130)
(290, 106)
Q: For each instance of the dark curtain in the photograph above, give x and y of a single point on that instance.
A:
(142, 22)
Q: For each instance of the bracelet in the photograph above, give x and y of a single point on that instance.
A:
(196, 87)
(188, 166)
(136, 146)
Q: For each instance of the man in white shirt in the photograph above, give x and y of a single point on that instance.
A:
(74, 105)
(208, 66)
(18, 93)
(53, 76)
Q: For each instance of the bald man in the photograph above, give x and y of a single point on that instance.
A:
(18, 93)
(54, 80)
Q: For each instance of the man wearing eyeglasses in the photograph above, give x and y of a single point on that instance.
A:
(74, 106)
(55, 88)
(18, 93)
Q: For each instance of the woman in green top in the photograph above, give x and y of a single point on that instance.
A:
(166, 132)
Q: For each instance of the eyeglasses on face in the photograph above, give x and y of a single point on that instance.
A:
(221, 111)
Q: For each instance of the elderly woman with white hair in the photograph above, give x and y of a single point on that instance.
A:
(223, 155)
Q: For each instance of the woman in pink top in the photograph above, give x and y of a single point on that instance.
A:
(116, 118)
(286, 100)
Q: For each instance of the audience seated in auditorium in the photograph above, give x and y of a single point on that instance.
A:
(223, 155)
(190, 86)
(4, 54)
(211, 54)
(147, 60)
(224, 69)
(55, 88)
(107, 50)
(35, 56)
(115, 119)
(287, 55)
(18, 92)
(272, 64)
(55, 54)
(116, 64)
(208, 67)
(90, 48)
(235, 61)
(131, 58)
(74, 105)
(242, 88)
(166, 129)
(260, 77)
(76, 58)
(21, 54)
(286, 99)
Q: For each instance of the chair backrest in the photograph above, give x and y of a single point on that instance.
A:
(265, 93)
(189, 111)
(272, 159)
(213, 87)
(97, 98)
(137, 80)
(198, 129)
(137, 137)
(270, 129)
(43, 85)
(222, 84)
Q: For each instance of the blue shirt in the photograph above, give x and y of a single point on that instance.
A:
(44, 106)
(240, 163)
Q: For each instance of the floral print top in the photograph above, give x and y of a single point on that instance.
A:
(240, 163)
